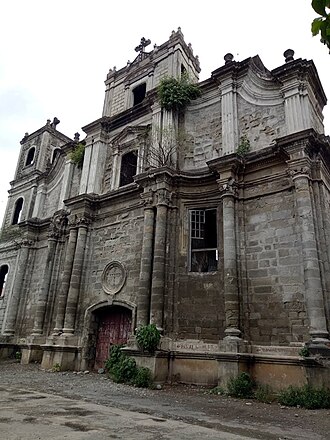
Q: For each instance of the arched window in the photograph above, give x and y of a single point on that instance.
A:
(30, 156)
(3, 276)
(56, 153)
(128, 168)
(139, 93)
(17, 211)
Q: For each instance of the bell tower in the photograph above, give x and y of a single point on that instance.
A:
(127, 87)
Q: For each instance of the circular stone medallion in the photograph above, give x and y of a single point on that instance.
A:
(113, 277)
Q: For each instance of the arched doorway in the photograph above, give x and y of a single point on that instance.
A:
(114, 327)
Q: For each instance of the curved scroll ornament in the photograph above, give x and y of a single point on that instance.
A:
(113, 277)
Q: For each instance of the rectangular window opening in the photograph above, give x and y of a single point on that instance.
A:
(203, 240)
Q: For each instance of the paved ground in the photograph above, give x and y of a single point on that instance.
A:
(41, 405)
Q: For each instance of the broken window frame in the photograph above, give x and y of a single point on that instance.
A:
(138, 91)
(127, 178)
(203, 258)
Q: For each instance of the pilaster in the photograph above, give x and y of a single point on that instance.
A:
(300, 172)
(143, 310)
(228, 189)
(18, 288)
(158, 274)
(75, 280)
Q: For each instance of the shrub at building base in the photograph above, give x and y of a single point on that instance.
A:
(240, 386)
(148, 338)
(305, 397)
(123, 369)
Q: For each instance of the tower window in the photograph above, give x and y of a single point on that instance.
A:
(30, 157)
(139, 93)
(128, 168)
(17, 211)
(3, 276)
(56, 153)
(183, 70)
(203, 240)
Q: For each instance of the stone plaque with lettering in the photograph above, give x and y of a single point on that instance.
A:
(113, 277)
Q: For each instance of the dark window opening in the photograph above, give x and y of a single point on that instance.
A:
(3, 276)
(30, 157)
(139, 93)
(17, 211)
(128, 168)
(203, 240)
(183, 70)
(56, 153)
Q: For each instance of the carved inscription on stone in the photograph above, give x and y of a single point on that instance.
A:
(113, 277)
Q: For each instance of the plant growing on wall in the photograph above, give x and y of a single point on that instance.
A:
(77, 155)
(148, 338)
(175, 94)
(243, 147)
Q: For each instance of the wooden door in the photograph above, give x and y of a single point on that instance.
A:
(114, 328)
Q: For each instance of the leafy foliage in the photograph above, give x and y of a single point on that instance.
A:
(304, 351)
(143, 378)
(148, 338)
(243, 147)
(123, 369)
(264, 393)
(78, 154)
(305, 397)
(174, 94)
(240, 386)
(321, 25)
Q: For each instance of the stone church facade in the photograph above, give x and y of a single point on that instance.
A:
(212, 223)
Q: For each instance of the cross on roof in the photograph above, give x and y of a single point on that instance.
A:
(143, 44)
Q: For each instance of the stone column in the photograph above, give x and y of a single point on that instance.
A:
(312, 276)
(72, 301)
(143, 310)
(65, 281)
(43, 294)
(230, 276)
(158, 274)
(22, 261)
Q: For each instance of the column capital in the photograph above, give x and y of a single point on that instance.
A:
(299, 170)
(26, 243)
(164, 197)
(228, 187)
(148, 199)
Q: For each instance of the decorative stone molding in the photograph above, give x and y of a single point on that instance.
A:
(229, 188)
(164, 197)
(113, 277)
(148, 199)
(299, 171)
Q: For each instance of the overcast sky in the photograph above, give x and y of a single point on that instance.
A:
(55, 55)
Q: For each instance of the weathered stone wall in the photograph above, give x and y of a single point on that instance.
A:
(32, 284)
(200, 136)
(117, 104)
(260, 124)
(115, 235)
(161, 69)
(198, 304)
(7, 257)
(52, 198)
(272, 274)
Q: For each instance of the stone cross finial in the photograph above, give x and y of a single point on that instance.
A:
(55, 122)
(143, 44)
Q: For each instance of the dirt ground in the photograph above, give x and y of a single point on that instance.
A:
(189, 404)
